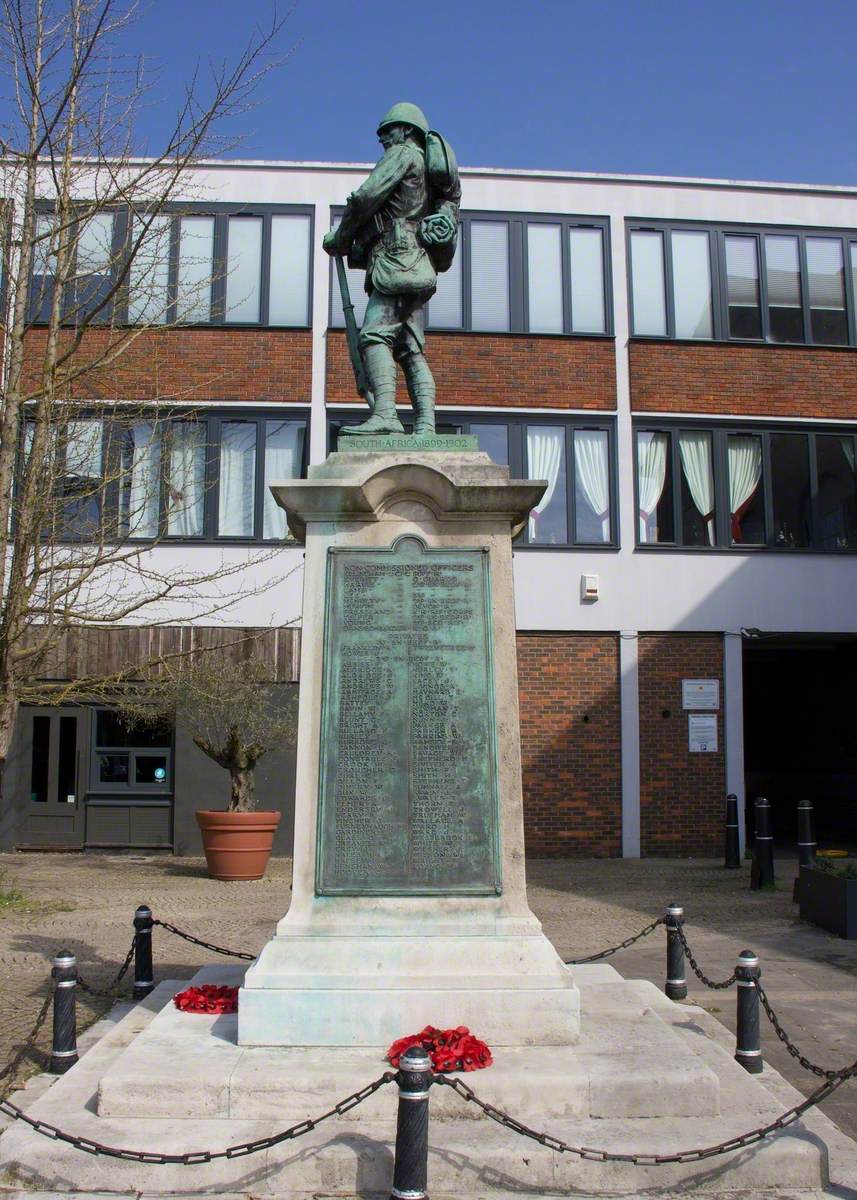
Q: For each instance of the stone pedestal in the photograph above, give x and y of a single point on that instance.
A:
(409, 901)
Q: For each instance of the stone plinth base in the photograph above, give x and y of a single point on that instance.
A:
(367, 990)
(647, 1076)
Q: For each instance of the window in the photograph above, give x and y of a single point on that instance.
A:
(201, 477)
(575, 457)
(785, 286)
(229, 264)
(720, 487)
(513, 274)
(130, 758)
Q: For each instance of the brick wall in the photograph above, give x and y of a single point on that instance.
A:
(681, 794)
(497, 370)
(763, 381)
(570, 744)
(259, 366)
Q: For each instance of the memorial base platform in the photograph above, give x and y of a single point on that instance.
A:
(647, 1076)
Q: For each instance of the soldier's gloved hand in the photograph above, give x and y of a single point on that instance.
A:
(331, 243)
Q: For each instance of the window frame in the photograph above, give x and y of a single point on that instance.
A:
(96, 787)
(717, 232)
(720, 431)
(113, 424)
(517, 223)
(516, 423)
(220, 211)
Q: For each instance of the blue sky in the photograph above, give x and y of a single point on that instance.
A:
(763, 89)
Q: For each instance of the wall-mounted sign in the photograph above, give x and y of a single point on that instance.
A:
(700, 693)
(701, 734)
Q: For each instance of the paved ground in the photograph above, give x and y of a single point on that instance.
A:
(811, 976)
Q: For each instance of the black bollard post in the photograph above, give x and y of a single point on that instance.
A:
(748, 1044)
(676, 984)
(733, 856)
(143, 970)
(805, 834)
(762, 872)
(64, 1045)
(410, 1170)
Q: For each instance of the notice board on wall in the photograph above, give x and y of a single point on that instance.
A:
(702, 733)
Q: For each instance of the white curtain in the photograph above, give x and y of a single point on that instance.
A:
(187, 480)
(593, 474)
(695, 451)
(652, 473)
(544, 456)
(847, 445)
(144, 484)
(283, 454)
(745, 472)
(237, 478)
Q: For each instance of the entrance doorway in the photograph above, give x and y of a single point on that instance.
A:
(52, 765)
(800, 716)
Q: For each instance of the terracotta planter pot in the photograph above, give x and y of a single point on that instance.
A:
(237, 845)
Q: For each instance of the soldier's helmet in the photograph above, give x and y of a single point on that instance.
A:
(404, 113)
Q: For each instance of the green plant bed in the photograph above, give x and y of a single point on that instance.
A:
(828, 896)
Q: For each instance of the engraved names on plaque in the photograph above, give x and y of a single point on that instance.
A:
(408, 789)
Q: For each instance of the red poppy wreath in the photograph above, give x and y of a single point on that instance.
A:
(449, 1049)
(209, 998)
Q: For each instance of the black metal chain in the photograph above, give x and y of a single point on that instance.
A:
(112, 990)
(11, 1069)
(188, 937)
(192, 1157)
(697, 970)
(681, 1156)
(821, 1072)
(577, 962)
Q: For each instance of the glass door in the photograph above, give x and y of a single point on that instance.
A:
(52, 766)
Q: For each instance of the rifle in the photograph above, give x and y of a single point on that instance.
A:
(351, 333)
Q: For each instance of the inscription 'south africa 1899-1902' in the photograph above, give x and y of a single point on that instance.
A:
(408, 796)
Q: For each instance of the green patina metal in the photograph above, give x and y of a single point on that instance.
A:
(408, 779)
(448, 442)
(401, 225)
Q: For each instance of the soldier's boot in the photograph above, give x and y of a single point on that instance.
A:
(381, 374)
(421, 390)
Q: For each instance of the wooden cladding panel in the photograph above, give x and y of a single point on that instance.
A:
(92, 652)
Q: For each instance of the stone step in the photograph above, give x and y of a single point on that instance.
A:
(628, 1063)
(348, 1157)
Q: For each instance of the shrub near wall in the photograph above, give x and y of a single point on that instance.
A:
(570, 744)
(682, 795)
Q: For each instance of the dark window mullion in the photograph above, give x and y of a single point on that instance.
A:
(121, 238)
(814, 523)
(259, 499)
(570, 486)
(265, 267)
(722, 507)
(678, 514)
(212, 477)
(762, 258)
(565, 261)
(466, 281)
(804, 291)
(669, 289)
(768, 488)
(218, 269)
(524, 238)
(515, 233)
(173, 276)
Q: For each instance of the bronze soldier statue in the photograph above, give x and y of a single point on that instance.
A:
(401, 224)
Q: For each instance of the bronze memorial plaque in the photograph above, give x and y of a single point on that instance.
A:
(408, 775)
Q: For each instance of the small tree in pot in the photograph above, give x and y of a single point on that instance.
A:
(234, 714)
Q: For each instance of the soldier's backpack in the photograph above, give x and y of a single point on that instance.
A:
(445, 189)
(442, 168)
